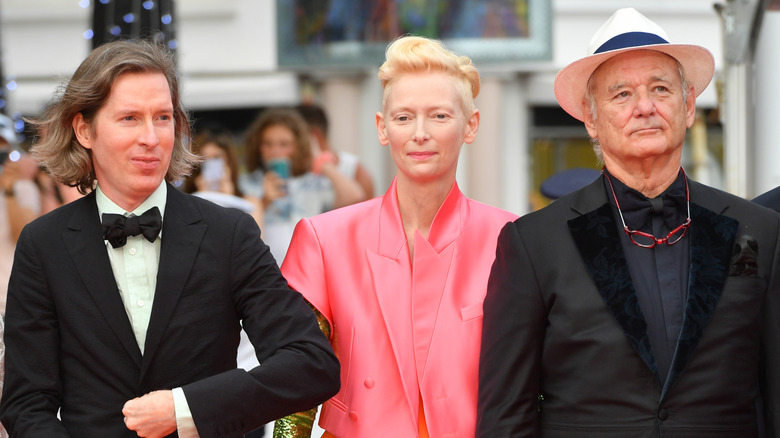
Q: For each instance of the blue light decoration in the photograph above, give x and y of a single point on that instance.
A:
(118, 19)
(84, 4)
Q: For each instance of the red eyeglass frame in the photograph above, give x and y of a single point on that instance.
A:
(656, 241)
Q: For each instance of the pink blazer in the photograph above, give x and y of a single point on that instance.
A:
(399, 331)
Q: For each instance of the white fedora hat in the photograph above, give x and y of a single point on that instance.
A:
(627, 30)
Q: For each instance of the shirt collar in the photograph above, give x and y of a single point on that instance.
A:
(637, 208)
(156, 199)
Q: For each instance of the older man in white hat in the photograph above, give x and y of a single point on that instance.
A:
(644, 304)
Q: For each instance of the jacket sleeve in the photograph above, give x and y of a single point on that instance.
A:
(770, 370)
(304, 268)
(512, 338)
(33, 390)
(298, 369)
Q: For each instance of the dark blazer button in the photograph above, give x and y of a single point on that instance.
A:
(663, 415)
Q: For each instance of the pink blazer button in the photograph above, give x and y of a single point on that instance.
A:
(369, 383)
(353, 416)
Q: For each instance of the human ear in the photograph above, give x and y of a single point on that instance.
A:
(471, 127)
(83, 131)
(381, 127)
(590, 120)
(690, 107)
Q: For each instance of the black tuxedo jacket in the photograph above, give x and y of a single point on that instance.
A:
(70, 345)
(565, 349)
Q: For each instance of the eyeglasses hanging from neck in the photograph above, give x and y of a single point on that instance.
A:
(647, 240)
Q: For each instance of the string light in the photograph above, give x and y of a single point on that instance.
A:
(114, 19)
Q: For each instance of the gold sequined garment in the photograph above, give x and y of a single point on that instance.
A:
(296, 425)
(300, 425)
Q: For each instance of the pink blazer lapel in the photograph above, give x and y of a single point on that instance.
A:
(393, 278)
(390, 272)
(429, 279)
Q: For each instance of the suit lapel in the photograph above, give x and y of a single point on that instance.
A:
(182, 234)
(87, 249)
(595, 234)
(712, 241)
(390, 260)
(429, 277)
(415, 320)
(431, 271)
(712, 237)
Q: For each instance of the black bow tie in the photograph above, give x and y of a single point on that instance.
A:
(117, 227)
(637, 208)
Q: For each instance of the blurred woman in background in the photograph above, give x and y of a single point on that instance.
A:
(289, 180)
(216, 179)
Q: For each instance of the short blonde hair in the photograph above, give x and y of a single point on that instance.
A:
(415, 54)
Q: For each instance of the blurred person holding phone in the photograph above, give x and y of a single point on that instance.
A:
(290, 181)
(216, 179)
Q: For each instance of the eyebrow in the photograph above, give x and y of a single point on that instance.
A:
(429, 108)
(617, 87)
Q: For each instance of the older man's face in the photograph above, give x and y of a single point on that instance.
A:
(640, 110)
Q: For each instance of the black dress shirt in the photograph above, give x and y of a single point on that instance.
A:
(659, 274)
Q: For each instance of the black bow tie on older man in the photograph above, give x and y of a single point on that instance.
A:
(117, 227)
(638, 209)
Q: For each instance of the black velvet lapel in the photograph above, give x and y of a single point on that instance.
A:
(595, 234)
(712, 240)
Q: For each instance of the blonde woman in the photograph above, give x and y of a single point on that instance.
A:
(398, 281)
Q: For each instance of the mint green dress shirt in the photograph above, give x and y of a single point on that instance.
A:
(135, 270)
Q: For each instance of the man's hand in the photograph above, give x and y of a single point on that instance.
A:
(151, 416)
